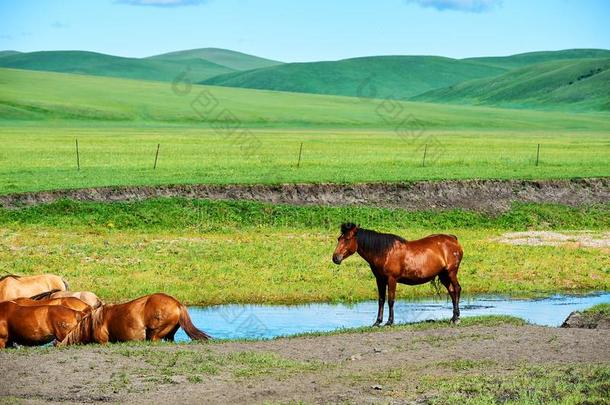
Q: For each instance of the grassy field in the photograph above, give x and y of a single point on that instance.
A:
(252, 136)
(52, 97)
(219, 252)
(42, 157)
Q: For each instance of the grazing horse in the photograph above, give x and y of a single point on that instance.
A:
(35, 325)
(13, 286)
(87, 297)
(152, 317)
(395, 260)
(69, 302)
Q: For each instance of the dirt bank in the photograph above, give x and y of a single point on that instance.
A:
(400, 365)
(492, 196)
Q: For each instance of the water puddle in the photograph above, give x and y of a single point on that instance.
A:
(268, 321)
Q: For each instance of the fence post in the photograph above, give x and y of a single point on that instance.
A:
(156, 156)
(77, 156)
(300, 152)
(538, 155)
(423, 162)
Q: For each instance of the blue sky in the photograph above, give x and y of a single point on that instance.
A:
(306, 30)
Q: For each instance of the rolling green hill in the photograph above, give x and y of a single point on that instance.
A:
(224, 57)
(97, 64)
(30, 95)
(8, 53)
(530, 58)
(579, 84)
(378, 76)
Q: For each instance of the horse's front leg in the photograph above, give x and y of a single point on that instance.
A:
(391, 299)
(381, 286)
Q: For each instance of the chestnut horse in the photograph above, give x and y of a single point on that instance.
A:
(68, 302)
(87, 297)
(35, 325)
(13, 286)
(395, 260)
(152, 317)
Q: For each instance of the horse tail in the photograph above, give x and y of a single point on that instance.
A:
(44, 295)
(82, 332)
(189, 328)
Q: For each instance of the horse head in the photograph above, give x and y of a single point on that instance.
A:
(347, 243)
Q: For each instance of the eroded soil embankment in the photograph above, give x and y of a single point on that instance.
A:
(492, 196)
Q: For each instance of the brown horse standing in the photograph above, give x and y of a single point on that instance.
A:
(395, 260)
(35, 325)
(13, 286)
(152, 317)
(68, 302)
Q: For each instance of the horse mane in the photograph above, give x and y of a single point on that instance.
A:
(44, 295)
(83, 331)
(372, 241)
(15, 276)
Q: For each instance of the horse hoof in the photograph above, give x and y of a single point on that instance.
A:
(455, 321)
(376, 324)
(389, 323)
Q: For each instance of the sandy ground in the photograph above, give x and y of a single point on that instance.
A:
(391, 366)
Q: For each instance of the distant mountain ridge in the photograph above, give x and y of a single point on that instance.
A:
(397, 77)
(164, 67)
(224, 57)
(547, 79)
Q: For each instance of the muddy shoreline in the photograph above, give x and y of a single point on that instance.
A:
(388, 366)
(490, 196)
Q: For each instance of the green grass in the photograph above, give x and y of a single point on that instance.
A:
(530, 384)
(575, 84)
(484, 320)
(42, 157)
(98, 64)
(376, 76)
(194, 250)
(599, 309)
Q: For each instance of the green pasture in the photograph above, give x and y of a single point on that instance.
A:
(207, 252)
(43, 157)
(51, 97)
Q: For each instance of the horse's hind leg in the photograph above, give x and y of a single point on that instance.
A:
(455, 284)
(445, 278)
(170, 336)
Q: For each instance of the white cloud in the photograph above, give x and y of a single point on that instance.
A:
(59, 25)
(162, 3)
(472, 6)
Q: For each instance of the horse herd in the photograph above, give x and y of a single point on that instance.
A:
(36, 310)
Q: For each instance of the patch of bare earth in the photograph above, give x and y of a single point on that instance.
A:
(549, 238)
(392, 366)
(492, 196)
